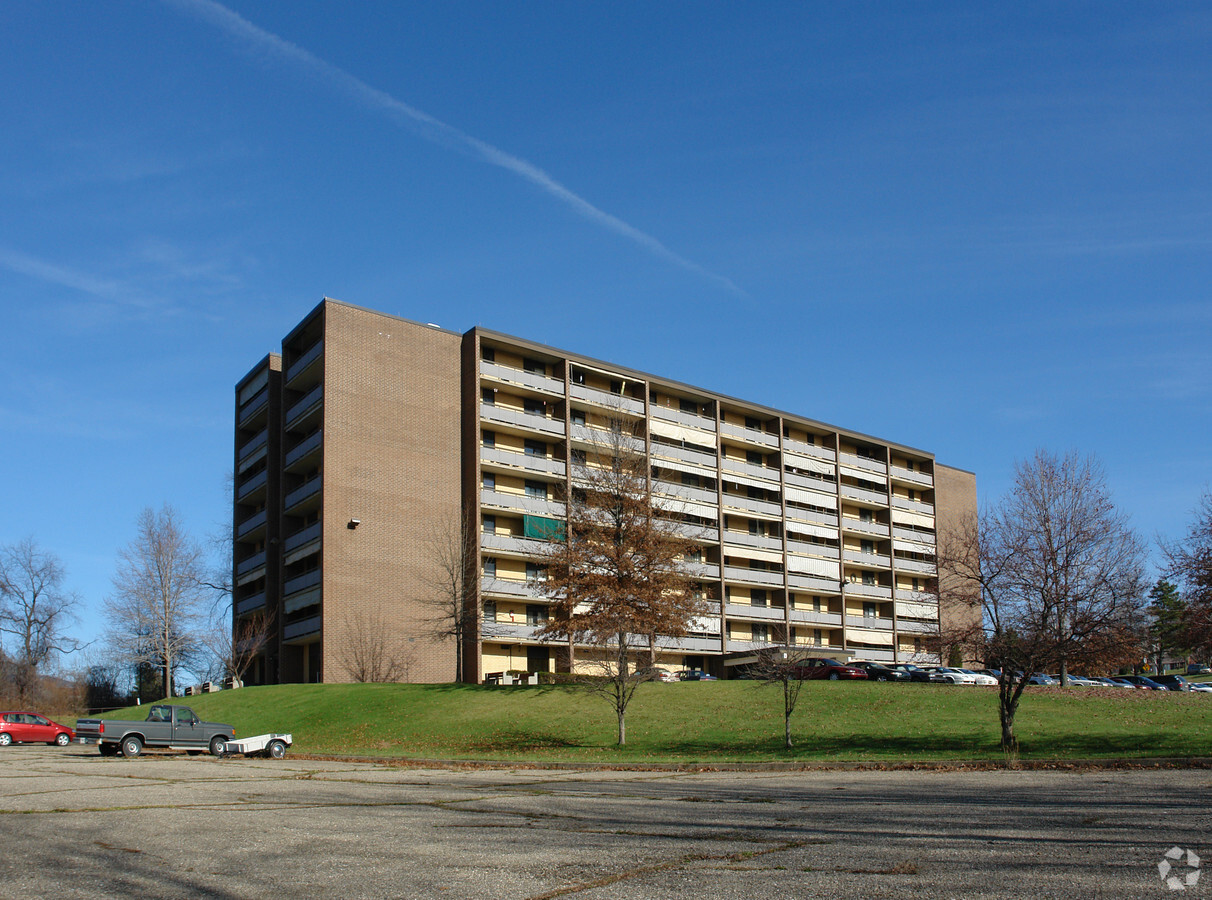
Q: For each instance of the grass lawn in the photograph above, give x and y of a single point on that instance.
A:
(712, 722)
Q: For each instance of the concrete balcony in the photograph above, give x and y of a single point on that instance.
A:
(533, 380)
(741, 575)
(923, 479)
(860, 527)
(304, 448)
(792, 446)
(304, 405)
(917, 597)
(761, 507)
(504, 630)
(504, 587)
(706, 534)
(304, 492)
(917, 537)
(874, 623)
(250, 604)
(524, 421)
(311, 355)
(252, 445)
(689, 420)
(250, 486)
(801, 581)
(302, 537)
(806, 548)
(256, 404)
(916, 506)
(245, 566)
(916, 566)
(744, 539)
(808, 482)
(750, 435)
(915, 626)
(703, 570)
(862, 463)
(529, 548)
(874, 560)
(862, 495)
(752, 470)
(858, 589)
(607, 400)
(757, 613)
(686, 492)
(701, 458)
(688, 644)
(304, 628)
(302, 582)
(523, 462)
(603, 441)
(491, 499)
(250, 525)
(824, 519)
(808, 617)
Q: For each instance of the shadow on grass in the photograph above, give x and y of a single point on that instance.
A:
(523, 742)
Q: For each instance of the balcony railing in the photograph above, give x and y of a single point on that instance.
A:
(908, 534)
(255, 443)
(793, 446)
(310, 355)
(801, 514)
(916, 566)
(301, 582)
(305, 403)
(507, 588)
(251, 564)
(685, 454)
(248, 604)
(256, 481)
(744, 539)
(764, 613)
(753, 576)
(300, 538)
(916, 627)
(808, 617)
(686, 492)
(875, 528)
(522, 461)
(690, 420)
(916, 596)
(613, 402)
(809, 549)
(762, 507)
(762, 473)
(531, 380)
(302, 629)
(858, 589)
(508, 543)
(875, 560)
(863, 463)
(304, 448)
(255, 404)
(301, 493)
(527, 421)
(251, 524)
(808, 482)
(605, 440)
(751, 435)
(923, 478)
(913, 506)
(803, 581)
(850, 492)
(504, 630)
(875, 623)
(520, 502)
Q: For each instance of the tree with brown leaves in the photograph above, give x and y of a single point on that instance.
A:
(1059, 573)
(1190, 562)
(615, 574)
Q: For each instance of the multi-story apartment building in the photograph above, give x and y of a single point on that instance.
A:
(361, 448)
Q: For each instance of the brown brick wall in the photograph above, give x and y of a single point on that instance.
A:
(391, 460)
(954, 507)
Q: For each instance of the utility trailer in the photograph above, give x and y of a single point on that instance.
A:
(271, 746)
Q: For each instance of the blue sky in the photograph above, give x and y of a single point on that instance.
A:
(977, 229)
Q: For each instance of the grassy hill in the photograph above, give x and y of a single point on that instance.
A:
(711, 722)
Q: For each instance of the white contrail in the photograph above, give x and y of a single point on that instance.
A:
(434, 130)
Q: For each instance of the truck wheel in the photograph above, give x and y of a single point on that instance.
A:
(5, 738)
(218, 745)
(131, 747)
(276, 749)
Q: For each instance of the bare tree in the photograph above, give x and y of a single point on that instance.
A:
(234, 649)
(369, 653)
(35, 610)
(1190, 562)
(156, 610)
(1059, 572)
(615, 573)
(450, 593)
(782, 667)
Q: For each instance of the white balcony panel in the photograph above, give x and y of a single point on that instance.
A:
(809, 463)
(916, 610)
(735, 478)
(851, 492)
(875, 622)
(508, 543)
(613, 402)
(811, 451)
(745, 539)
(533, 380)
(685, 507)
(926, 509)
(922, 478)
(874, 528)
(761, 507)
(738, 552)
(917, 596)
(798, 519)
(808, 617)
(904, 517)
(764, 474)
(811, 498)
(687, 492)
(875, 560)
(916, 627)
(704, 459)
(868, 636)
(821, 485)
(603, 441)
(504, 630)
(696, 436)
(863, 464)
(690, 420)
(519, 502)
(503, 587)
(812, 582)
(751, 435)
(807, 565)
(807, 548)
(689, 644)
(916, 537)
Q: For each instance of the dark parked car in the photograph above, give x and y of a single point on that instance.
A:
(1197, 669)
(1172, 682)
(916, 673)
(877, 672)
(32, 728)
(696, 675)
(1142, 681)
(828, 668)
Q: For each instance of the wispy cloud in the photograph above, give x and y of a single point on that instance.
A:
(94, 285)
(433, 130)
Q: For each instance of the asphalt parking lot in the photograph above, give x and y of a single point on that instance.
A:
(73, 824)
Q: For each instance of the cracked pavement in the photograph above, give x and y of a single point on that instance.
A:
(74, 824)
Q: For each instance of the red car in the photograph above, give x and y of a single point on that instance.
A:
(31, 728)
(828, 668)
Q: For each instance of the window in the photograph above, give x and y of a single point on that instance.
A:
(488, 396)
(760, 632)
(536, 489)
(488, 354)
(490, 525)
(490, 610)
(536, 366)
(751, 422)
(868, 578)
(489, 438)
(818, 637)
(534, 407)
(695, 555)
(755, 458)
(867, 546)
(490, 481)
(909, 465)
(535, 614)
(870, 611)
(616, 386)
(578, 417)
(917, 645)
(816, 604)
(578, 457)
(535, 572)
(917, 584)
(536, 448)
(757, 597)
(490, 567)
(691, 480)
(688, 406)
(866, 516)
(912, 494)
